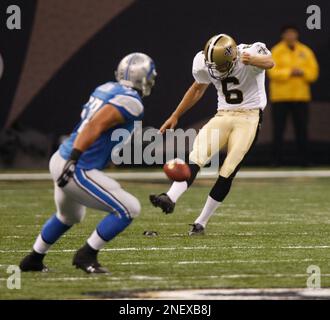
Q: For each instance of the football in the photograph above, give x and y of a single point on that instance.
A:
(177, 170)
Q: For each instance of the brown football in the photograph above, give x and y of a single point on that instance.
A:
(177, 170)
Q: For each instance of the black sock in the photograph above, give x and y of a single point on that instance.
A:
(221, 188)
(194, 169)
(37, 256)
(88, 250)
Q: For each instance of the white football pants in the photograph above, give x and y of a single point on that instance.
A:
(235, 130)
(92, 189)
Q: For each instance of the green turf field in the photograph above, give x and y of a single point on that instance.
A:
(265, 235)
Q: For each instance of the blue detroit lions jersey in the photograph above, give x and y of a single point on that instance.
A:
(127, 101)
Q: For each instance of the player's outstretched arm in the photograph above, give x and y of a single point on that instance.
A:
(191, 97)
(104, 119)
(261, 61)
(107, 117)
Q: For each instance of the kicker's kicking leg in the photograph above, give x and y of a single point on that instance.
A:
(207, 143)
(166, 201)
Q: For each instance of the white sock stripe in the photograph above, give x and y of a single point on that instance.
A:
(95, 241)
(40, 245)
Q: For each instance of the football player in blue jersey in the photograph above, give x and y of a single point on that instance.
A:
(76, 167)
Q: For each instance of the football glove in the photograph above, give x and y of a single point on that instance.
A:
(69, 168)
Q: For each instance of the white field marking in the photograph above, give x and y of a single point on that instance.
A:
(71, 279)
(18, 205)
(137, 263)
(246, 261)
(208, 234)
(180, 248)
(159, 175)
(220, 261)
(67, 279)
(275, 275)
(228, 261)
(109, 278)
(12, 237)
(306, 247)
(252, 234)
(237, 294)
(294, 221)
(120, 249)
(137, 277)
(26, 236)
(27, 225)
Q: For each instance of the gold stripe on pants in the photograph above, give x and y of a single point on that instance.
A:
(234, 129)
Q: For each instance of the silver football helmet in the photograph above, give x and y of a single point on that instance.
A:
(137, 70)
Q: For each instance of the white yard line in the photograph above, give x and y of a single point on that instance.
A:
(159, 175)
(245, 223)
(251, 234)
(237, 294)
(161, 279)
(230, 261)
(219, 262)
(181, 248)
(245, 261)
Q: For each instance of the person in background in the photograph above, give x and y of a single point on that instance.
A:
(295, 69)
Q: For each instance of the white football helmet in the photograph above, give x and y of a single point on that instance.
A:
(137, 70)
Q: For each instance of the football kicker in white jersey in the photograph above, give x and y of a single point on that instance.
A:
(238, 75)
(244, 87)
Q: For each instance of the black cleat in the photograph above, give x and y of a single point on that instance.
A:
(33, 262)
(162, 201)
(196, 230)
(88, 262)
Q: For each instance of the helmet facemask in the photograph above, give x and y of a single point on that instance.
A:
(220, 73)
(148, 83)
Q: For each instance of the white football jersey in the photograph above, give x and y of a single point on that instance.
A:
(244, 88)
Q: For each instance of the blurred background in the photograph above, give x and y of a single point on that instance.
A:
(67, 47)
